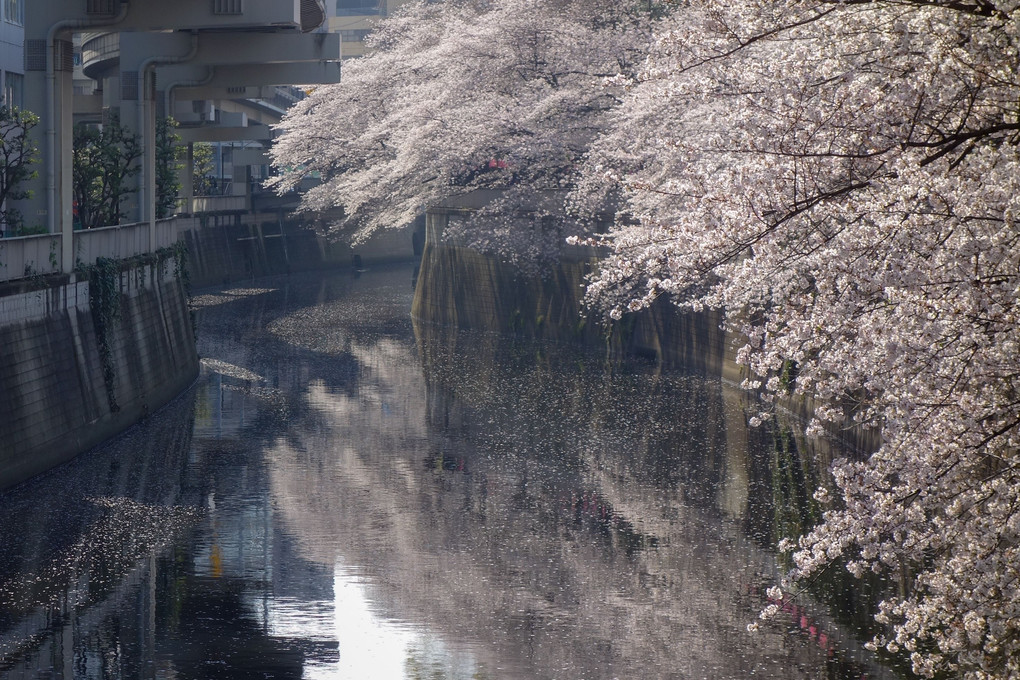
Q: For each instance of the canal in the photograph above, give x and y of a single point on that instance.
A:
(348, 494)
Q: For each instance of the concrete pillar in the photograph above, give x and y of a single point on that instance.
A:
(131, 117)
(49, 90)
(48, 93)
(147, 177)
(139, 55)
(63, 140)
(244, 171)
(35, 209)
(187, 176)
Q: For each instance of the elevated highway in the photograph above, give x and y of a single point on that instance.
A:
(220, 67)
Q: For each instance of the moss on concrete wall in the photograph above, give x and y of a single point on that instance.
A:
(58, 397)
(463, 288)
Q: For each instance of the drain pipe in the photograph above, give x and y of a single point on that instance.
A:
(168, 99)
(168, 105)
(147, 185)
(67, 248)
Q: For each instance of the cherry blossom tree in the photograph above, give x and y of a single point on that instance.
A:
(462, 95)
(839, 176)
(843, 178)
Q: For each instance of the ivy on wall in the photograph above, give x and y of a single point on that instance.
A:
(105, 296)
(104, 300)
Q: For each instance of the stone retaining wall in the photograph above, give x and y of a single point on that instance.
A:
(55, 400)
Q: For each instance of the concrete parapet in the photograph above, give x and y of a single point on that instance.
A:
(237, 247)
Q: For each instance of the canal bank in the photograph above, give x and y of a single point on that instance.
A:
(462, 287)
(86, 356)
(80, 364)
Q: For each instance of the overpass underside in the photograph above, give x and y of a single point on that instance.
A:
(226, 70)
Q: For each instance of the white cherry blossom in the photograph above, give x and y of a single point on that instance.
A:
(463, 95)
(843, 178)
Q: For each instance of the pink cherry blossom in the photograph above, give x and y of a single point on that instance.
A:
(841, 177)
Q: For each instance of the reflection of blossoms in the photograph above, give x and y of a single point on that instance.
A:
(842, 177)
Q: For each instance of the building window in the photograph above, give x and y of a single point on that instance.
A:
(358, 35)
(357, 7)
(14, 11)
(14, 89)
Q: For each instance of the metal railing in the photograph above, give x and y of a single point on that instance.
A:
(25, 256)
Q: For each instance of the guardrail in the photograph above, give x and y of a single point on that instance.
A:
(212, 204)
(122, 241)
(25, 256)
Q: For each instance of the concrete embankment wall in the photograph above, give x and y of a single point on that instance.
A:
(460, 287)
(66, 383)
(463, 288)
(226, 249)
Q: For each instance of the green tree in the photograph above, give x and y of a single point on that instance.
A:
(17, 154)
(104, 161)
(204, 169)
(168, 183)
(203, 172)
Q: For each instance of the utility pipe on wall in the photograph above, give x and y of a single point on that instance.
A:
(168, 98)
(146, 127)
(66, 226)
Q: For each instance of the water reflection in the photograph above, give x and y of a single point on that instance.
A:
(344, 496)
(77, 549)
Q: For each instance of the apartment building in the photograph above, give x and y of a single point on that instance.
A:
(12, 51)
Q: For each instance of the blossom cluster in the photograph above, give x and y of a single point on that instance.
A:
(842, 178)
(463, 95)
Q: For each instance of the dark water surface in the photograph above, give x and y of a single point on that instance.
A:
(343, 495)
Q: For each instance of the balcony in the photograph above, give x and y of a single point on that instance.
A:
(100, 52)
